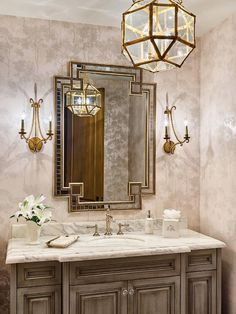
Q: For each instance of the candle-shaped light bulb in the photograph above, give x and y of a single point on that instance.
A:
(50, 123)
(23, 120)
(166, 129)
(186, 127)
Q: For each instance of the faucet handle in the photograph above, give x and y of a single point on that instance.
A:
(120, 225)
(96, 233)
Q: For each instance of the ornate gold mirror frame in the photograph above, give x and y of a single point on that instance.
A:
(137, 87)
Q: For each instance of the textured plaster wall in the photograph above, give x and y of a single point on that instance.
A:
(33, 50)
(218, 148)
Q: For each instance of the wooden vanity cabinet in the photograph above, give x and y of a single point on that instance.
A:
(150, 296)
(201, 292)
(203, 282)
(98, 298)
(188, 283)
(39, 300)
(36, 288)
(135, 285)
(157, 295)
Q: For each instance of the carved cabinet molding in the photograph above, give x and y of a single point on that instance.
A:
(188, 283)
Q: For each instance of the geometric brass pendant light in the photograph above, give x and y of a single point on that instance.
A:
(158, 35)
(85, 102)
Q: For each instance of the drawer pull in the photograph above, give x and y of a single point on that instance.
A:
(131, 291)
(125, 292)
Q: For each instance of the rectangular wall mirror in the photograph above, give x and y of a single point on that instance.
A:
(105, 157)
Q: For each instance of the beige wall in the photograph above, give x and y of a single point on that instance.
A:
(218, 147)
(34, 50)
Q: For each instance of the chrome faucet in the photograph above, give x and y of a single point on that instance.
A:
(109, 219)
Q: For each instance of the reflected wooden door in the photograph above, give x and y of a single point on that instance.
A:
(84, 152)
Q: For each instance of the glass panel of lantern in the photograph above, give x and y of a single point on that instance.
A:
(186, 25)
(136, 26)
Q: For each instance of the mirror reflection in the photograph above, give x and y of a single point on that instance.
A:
(106, 150)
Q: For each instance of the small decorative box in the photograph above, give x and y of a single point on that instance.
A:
(170, 228)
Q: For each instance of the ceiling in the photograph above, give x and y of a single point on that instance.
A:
(108, 12)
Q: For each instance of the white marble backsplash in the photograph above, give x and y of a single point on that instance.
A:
(55, 228)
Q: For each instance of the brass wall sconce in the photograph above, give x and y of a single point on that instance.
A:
(169, 146)
(35, 138)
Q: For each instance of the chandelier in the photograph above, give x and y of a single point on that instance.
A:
(158, 35)
(85, 102)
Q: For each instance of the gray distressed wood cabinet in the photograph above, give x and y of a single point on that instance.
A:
(188, 283)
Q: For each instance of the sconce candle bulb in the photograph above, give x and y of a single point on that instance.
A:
(169, 145)
(186, 129)
(50, 124)
(35, 139)
(166, 129)
(23, 120)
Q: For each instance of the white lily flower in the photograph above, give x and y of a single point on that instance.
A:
(40, 199)
(44, 216)
(33, 209)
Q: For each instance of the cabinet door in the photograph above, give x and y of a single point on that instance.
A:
(155, 296)
(39, 300)
(105, 298)
(201, 292)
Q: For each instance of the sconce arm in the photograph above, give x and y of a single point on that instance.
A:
(172, 123)
(179, 143)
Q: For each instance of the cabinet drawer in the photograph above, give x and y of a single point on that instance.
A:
(38, 274)
(124, 269)
(201, 260)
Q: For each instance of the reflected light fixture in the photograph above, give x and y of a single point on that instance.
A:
(158, 35)
(85, 102)
(35, 138)
(169, 146)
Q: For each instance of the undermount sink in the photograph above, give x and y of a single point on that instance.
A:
(116, 241)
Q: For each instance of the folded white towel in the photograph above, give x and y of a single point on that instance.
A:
(62, 241)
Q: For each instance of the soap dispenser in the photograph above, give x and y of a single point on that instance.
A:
(149, 226)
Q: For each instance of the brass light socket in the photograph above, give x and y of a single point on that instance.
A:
(169, 147)
(35, 144)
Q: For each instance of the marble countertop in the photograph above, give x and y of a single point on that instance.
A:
(103, 247)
